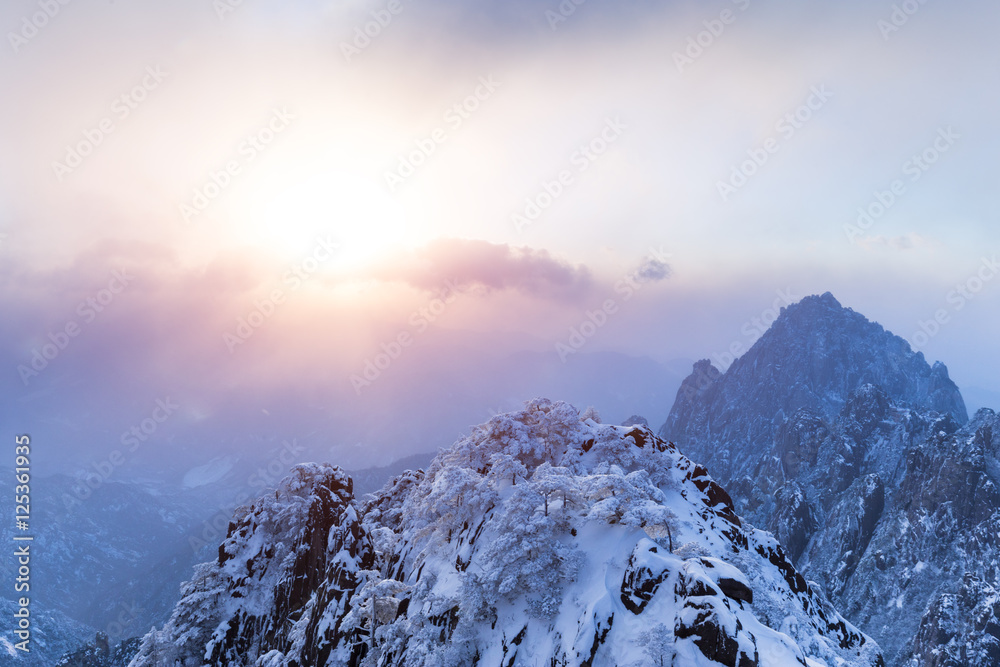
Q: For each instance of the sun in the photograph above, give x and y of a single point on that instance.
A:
(356, 213)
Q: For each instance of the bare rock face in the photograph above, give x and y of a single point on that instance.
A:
(857, 515)
(793, 518)
(799, 440)
(834, 435)
(961, 628)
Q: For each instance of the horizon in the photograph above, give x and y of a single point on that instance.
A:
(677, 369)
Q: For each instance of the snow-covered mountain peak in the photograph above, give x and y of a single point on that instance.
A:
(542, 538)
(835, 435)
(815, 354)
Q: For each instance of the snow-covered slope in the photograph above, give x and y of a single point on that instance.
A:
(541, 539)
(52, 635)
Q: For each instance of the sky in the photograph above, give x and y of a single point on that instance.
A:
(351, 222)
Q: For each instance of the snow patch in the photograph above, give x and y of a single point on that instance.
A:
(209, 473)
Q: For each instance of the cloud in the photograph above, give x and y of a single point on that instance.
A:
(653, 270)
(492, 266)
(899, 243)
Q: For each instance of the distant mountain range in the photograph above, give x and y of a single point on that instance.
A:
(433, 393)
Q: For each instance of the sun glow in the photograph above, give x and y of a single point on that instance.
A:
(355, 213)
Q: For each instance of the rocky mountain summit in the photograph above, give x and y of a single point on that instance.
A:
(859, 456)
(542, 538)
